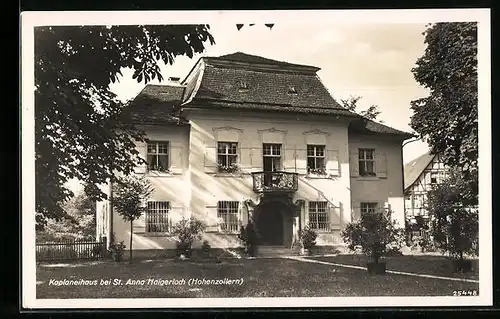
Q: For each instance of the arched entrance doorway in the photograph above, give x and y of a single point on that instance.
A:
(272, 221)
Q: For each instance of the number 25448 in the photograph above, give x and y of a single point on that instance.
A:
(465, 292)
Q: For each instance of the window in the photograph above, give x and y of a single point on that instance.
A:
(318, 216)
(368, 208)
(227, 213)
(157, 156)
(366, 162)
(157, 219)
(243, 85)
(227, 156)
(434, 178)
(272, 157)
(316, 159)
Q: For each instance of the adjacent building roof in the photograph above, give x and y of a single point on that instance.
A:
(371, 127)
(156, 104)
(415, 168)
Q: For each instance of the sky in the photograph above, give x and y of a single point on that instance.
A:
(373, 61)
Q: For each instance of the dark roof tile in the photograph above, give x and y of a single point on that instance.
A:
(155, 104)
(266, 87)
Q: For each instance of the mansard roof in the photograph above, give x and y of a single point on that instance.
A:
(240, 78)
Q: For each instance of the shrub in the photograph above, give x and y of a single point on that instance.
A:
(376, 233)
(308, 237)
(249, 237)
(186, 232)
(455, 226)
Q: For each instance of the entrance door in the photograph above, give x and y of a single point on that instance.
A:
(269, 225)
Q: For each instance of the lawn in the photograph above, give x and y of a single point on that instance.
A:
(421, 264)
(261, 278)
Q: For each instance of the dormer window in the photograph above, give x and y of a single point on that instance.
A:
(243, 85)
(292, 90)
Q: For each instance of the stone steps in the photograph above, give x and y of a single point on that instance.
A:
(275, 251)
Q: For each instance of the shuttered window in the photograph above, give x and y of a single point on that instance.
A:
(366, 162)
(157, 156)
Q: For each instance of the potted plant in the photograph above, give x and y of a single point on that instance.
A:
(320, 171)
(117, 251)
(376, 233)
(231, 168)
(206, 249)
(308, 239)
(186, 232)
(249, 237)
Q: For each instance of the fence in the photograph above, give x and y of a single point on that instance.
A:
(70, 250)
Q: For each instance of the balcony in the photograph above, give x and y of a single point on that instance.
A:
(275, 182)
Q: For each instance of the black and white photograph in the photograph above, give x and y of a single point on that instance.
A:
(314, 158)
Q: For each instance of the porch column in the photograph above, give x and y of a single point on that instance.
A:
(297, 221)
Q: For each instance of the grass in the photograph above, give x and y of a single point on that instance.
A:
(421, 264)
(261, 278)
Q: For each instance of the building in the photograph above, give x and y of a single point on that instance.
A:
(421, 175)
(248, 137)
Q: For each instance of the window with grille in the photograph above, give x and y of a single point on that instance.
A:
(316, 159)
(157, 217)
(227, 156)
(366, 162)
(318, 216)
(228, 215)
(157, 156)
(368, 208)
(272, 157)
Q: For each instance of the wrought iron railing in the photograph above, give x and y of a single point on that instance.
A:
(275, 182)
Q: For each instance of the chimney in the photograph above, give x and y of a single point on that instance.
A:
(174, 79)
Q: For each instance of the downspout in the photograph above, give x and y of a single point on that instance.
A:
(111, 213)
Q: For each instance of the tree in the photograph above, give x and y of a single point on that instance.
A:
(351, 104)
(129, 195)
(81, 130)
(79, 223)
(448, 117)
(454, 226)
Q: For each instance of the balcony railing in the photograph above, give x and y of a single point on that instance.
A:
(264, 182)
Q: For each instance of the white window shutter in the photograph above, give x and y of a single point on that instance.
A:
(245, 158)
(332, 164)
(210, 159)
(211, 218)
(334, 216)
(301, 161)
(381, 164)
(354, 162)
(257, 161)
(289, 161)
(139, 225)
(142, 148)
(176, 160)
